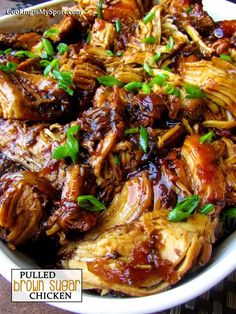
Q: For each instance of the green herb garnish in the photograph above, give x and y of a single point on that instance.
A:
(71, 148)
(88, 39)
(54, 65)
(171, 43)
(24, 53)
(109, 81)
(225, 57)
(99, 11)
(156, 57)
(231, 212)
(90, 203)
(133, 86)
(184, 208)
(189, 9)
(171, 90)
(62, 48)
(149, 17)
(47, 45)
(143, 139)
(110, 53)
(149, 40)
(166, 68)
(159, 79)
(51, 32)
(8, 67)
(64, 81)
(146, 88)
(206, 138)
(116, 159)
(206, 209)
(119, 54)
(148, 69)
(193, 91)
(118, 25)
(131, 131)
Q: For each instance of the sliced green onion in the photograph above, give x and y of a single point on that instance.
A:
(90, 203)
(62, 48)
(9, 67)
(99, 12)
(24, 53)
(110, 53)
(149, 17)
(116, 159)
(171, 43)
(149, 40)
(231, 212)
(71, 148)
(225, 57)
(156, 57)
(44, 63)
(7, 51)
(118, 25)
(133, 86)
(206, 209)
(64, 81)
(119, 54)
(52, 65)
(189, 9)
(184, 208)
(166, 68)
(171, 90)
(109, 81)
(48, 47)
(131, 131)
(88, 39)
(159, 79)
(193, 91)
(143, 139)
(146, 88)
(206, 138)
(51, 32)
(148, 69)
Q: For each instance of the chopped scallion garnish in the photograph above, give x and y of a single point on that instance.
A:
(206, 209)
(148, 69)
(71, 148)
(146, 88)
(149, 17)
(118, 25)
(143, 138)
(206, 138)
(131, 131)
(109, 81)
(62, 48)
(225, 57)
(149, 40)
(90, 203)
(193, 91)
(99, 11)
(184, 208)
(171, 43)
(189, 9)
(8, 67)
(133, 86)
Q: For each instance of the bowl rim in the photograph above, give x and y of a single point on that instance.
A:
(223, 262)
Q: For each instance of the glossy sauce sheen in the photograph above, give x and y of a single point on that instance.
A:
(145, 263)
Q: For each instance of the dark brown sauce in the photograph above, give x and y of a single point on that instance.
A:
(145, 264)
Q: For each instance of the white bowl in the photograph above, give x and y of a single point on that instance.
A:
(223, 260)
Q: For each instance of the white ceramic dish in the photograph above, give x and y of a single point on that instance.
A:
(223, 260)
